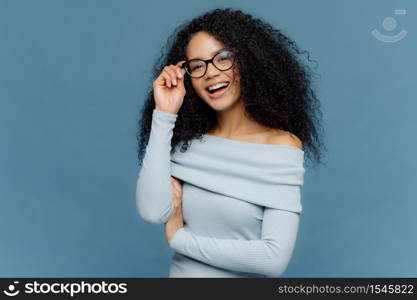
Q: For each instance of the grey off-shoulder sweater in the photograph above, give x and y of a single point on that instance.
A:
(241, 202)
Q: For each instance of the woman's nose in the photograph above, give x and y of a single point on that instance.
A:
(211, 70)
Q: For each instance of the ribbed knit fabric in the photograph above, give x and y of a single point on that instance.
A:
(241, 202)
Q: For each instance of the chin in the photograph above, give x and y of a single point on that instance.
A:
(221, 104)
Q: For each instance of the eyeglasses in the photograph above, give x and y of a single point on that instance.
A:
(222, 60)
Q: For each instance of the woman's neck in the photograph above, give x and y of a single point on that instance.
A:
(233, 122)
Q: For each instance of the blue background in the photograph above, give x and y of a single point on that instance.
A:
(73, 76)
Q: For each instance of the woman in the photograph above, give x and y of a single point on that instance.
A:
(225, 127)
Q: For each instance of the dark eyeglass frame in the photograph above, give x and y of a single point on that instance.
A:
(186, 64)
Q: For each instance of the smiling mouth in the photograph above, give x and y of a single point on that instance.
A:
(218, 89)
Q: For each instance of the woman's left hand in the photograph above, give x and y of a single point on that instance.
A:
(176, 221)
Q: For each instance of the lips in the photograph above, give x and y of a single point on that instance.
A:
(219, 93)
(228, 82)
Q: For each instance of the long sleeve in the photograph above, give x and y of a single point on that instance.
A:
(269, 256)
(154, 189)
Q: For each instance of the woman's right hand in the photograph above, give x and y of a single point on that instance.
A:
(176, 220)
(168, 88)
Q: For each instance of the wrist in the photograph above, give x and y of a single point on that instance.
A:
(173, 235)
(165, 111)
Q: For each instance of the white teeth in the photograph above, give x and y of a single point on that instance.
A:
(217, 85)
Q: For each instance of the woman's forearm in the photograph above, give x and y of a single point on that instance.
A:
(269, 255)
(154, 189)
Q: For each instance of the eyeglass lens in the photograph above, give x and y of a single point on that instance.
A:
(222, 60)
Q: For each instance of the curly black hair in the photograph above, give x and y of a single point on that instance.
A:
(275, 85)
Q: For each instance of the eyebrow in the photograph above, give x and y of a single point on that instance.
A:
(212, 53)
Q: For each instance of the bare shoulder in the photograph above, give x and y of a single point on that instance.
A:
(278, 136)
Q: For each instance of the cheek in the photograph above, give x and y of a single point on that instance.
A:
(198, 88)
(235, 81)
(236, 86)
